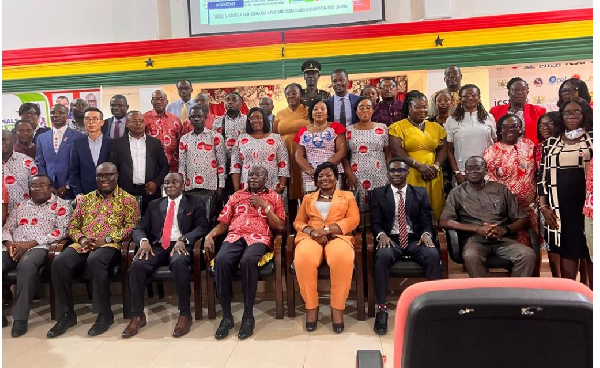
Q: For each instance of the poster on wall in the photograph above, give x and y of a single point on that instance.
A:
(91, 96)
(544, 80)
(12, 101)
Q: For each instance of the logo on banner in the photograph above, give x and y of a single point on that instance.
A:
(576, 63)
(501, 82)
(500, 102)
(538, 82)
(529, 67)
(554, 65)
(538, 100)
(555, 80)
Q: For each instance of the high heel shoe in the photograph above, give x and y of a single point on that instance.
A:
(337, 327)
(312, 326)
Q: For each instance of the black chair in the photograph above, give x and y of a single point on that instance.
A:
(163, 273)
(456, 241)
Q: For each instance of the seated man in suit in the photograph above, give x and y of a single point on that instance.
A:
(87, 154)
(140, 160)
(401, 221)
(30, 229)
(341, 107)
(247, 218)
(166, 235)
(53, 151)
(102, 219)
(490, 213)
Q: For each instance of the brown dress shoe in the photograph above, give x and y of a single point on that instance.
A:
(183, 326)
(135, 323)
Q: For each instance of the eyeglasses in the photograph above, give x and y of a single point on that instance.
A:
(568, 89)
(363, 108)
(400, 170)
(92, 120)
(387, 86)
(105, 176)
(519, 90)
(255, 118)
(161, 99)
(575, 113)
(547, 125)
(39, 186)
(511, 127)
(474, 169)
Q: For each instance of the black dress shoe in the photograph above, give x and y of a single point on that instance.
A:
(247, 329)
(19, 328)
(103, 322)
(224, 327)
(338, 328)
(4, 321)
(68, 319)
(381, 319)
(311, 326)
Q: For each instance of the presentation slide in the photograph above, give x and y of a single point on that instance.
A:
(224, 16)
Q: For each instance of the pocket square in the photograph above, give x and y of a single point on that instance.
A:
(189, 213)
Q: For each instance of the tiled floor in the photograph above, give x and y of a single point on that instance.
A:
(275, 343)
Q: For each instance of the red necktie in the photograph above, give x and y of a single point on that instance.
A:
(165, 240)
(402, 228)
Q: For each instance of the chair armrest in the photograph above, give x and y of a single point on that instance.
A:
(56, 248)
(369, 239)
(277, 243)
(289, 248)
(358, 236)
(443, 242)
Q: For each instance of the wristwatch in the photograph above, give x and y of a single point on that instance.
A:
(506, 229)
(456, 172)
(108, 240)
(184, 239)
(267, 210)
(326, 228)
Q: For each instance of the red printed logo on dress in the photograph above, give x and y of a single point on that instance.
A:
(363, 149)
(9, 180)
(181, 146)
(62, 211)
(200, 145)
(271, 157)
(25, 195)
(23, 221)
(213, 163)
(237, 165)
(220, 170)
(218, 130)
(241, 156)
(55, 232)
(188, 181)
(378, 165)
(281, 164)
(230, 142)
(366, 184)
(34, 170)
(241, 209)
(53, 206)
(217, 141)
(348, 135)
(199, 180)
(355, 167)
(246, 167)
(208, 147)
(244, 141)
(28, 162)
(34, 221)
(270, 141)
(378, 131)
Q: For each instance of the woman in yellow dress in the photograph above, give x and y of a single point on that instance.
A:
(287, 123)
(422, 144)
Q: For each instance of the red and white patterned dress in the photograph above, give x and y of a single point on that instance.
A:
(368, 159)
(247, 221)
(588, 206)
(17, 171)
(515, 166)
(268, 152)
(168, 129)
(202, 160)
(319, 148)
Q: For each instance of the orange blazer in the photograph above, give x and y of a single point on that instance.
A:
(344, 212)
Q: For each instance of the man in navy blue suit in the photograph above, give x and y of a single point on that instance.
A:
(53, 151)
(341, 106)
(88, 153)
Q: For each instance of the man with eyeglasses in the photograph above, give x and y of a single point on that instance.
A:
(140, 160)
(100, 222)
(53, 151)
(166, 127)
(453, 80)
(389, 109)
(181, 108)
(87, 154)
(30, 229)
(491, 217)
(401, 222)
(518, 89)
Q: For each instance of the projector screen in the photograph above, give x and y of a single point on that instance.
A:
(226, 16)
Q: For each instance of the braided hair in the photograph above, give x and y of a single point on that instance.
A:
(409, 98)
(459, 112)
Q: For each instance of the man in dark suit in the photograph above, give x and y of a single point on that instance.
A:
(140, 160)
(341, 107)
(87, 154)
(115, 127)
(166, 235)
(53, 151)
(401, 221)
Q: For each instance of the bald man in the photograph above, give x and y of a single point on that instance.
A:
(166, 127)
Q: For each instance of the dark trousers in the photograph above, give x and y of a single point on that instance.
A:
(230, 256)
(140, 191)
(427, 257)
(70, 263)
(141, 269)
(477, 250)
(28, 270)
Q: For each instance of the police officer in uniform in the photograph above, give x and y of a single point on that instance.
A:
(311, 69)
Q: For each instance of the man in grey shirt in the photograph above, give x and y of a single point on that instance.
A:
(491, 214)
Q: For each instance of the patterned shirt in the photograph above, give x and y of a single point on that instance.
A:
(202, 160)
(96, 216)
(588, 206)
(210, 121)
(44, 223)
(73, 125)
(247, 221)
(168, 130)
(268, 152)
(17, 171)
(233, 129)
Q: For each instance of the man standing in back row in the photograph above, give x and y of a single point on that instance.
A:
(342, 106)
(181, 108)
(311, 70)
(114, 127)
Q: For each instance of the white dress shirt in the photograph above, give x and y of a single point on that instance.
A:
(176, 107)
(175, 232)
(337, 104)
(396, 201)
(95, 146)
(57, 136)
(138, 157)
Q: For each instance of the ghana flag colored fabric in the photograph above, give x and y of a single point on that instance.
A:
(481, 41)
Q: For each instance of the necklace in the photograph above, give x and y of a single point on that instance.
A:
(325, 196)
(421, 125)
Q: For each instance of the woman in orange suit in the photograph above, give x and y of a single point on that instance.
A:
(325, 221)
